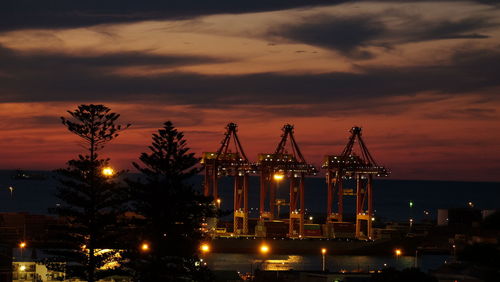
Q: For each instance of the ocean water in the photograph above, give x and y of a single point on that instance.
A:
(246, 263)
(391, 197)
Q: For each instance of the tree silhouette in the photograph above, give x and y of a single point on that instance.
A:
(91, 200)
(169, 213)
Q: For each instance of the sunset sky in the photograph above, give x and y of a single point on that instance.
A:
(421, 78)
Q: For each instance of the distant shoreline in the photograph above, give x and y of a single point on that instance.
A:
(311, 177)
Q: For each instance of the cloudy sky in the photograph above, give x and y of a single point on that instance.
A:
(421, 78)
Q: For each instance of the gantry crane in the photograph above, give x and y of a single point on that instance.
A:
(225, 162)
(276, 166)
(362, 168)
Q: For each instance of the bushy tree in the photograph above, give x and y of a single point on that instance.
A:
(168, 212)
(90, 200)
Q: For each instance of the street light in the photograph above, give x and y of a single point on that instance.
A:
(264, 249)
(11, 189)
(22, 245)
(398, 253)
(411, 215)
(145, 247)
(323, 254)
(205, 248)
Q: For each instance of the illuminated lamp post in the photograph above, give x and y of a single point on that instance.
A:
(411, 214)
(204, 249)
(398, 253)
(323, 256)
(264, 250)
(22, 245)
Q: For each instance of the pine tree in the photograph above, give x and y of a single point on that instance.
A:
(91, 200)
(169, 213)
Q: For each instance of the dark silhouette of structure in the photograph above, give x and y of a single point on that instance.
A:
(226, 162)
(348, 165)
(275, 167)
(288, 163)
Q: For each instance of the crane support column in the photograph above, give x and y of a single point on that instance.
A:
(370, 206)
(296, 214)
(265, 193)
(241, 204)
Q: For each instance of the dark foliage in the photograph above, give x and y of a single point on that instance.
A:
(492, 221)
(405, 275)
(168, 213)
(91, 200)
(481, 254)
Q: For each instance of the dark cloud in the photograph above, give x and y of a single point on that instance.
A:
(26, 14)
(23, 14)
(468, 28)
(351, 35)
(11, 60)
(30, 80)
(346, 35)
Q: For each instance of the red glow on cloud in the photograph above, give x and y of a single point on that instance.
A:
(412, 148)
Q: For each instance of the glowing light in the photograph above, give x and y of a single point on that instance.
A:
(264, 249)
(22, 267)
(205, 248)
(411, 204)
(22, 245)
(310, 218)
(145, 247)
(398, 252)
(108, 171)
(278, 176)
(323, 251)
